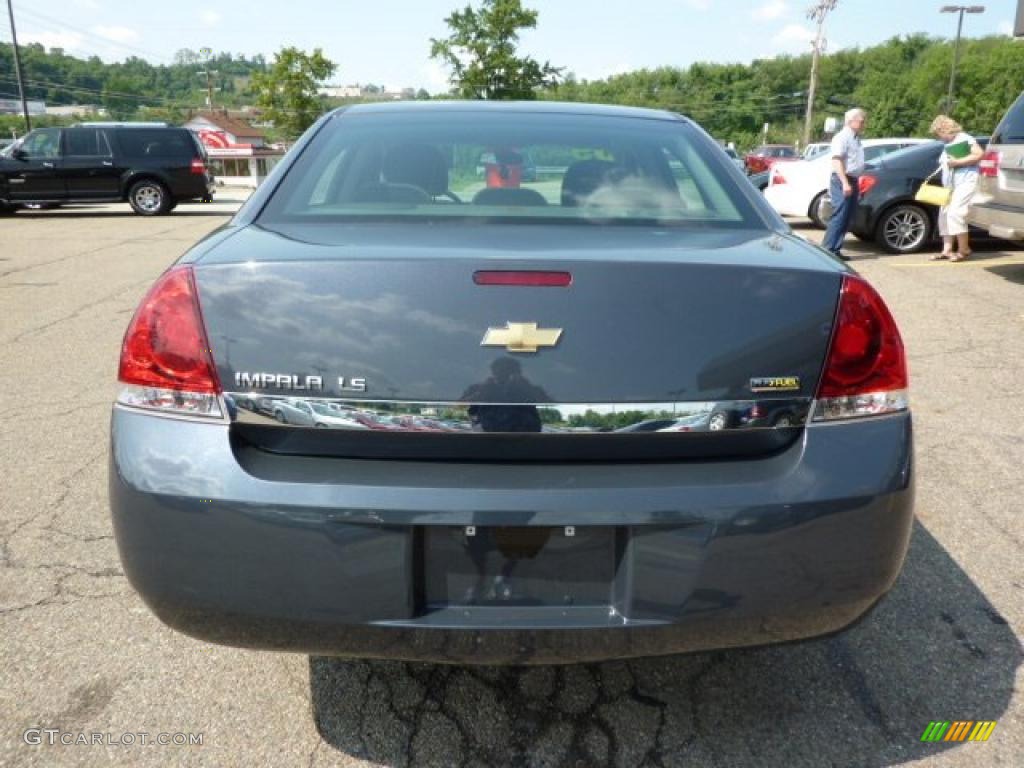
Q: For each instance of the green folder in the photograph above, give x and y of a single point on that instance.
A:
(959, 150)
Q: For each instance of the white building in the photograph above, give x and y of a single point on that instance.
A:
(238, 152)
(13, 107)
(76, 110)
(342, 91)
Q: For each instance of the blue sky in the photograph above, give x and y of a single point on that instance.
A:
(385, 41)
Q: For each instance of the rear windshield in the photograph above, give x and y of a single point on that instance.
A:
(511, 166)
(156, 142)
(1011, 129)
(918, 153)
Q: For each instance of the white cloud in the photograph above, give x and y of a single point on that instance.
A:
(210, 18)
(793, 38)
(1005, 27)
(699, 5)
(117, 34)
(772, 9)
(68, 40)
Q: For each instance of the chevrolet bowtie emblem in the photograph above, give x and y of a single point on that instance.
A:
(521, 337)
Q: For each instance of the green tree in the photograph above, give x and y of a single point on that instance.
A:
(121, 97)
(481, 52)
(287, 90)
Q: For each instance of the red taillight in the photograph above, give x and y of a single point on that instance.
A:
(198, 166)
(989, 165)
(866, 370)
(776, 177)
(165, 345)
(520, 277)
(865, 183)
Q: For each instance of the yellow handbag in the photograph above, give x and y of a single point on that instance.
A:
(929, 194)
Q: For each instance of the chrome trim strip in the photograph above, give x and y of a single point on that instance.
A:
(131, 398)
(555, 418)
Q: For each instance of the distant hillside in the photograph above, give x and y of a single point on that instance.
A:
(902, 83)
(60, 78)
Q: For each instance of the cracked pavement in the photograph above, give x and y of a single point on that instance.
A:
(82, 653)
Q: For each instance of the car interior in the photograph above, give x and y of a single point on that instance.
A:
(643, 179)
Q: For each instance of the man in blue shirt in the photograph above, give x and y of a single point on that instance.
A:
(847, 164)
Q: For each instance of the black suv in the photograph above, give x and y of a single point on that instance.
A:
(151, 166)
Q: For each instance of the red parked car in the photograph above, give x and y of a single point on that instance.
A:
(762, 158)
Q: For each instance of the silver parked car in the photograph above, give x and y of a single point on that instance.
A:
(998, 205)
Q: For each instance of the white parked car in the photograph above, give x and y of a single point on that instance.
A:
(800, 188)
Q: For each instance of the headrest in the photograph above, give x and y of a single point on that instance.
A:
(421, 165)
(508, 196)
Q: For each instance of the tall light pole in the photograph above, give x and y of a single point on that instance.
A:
(817, 14)
(17, 68)
(959, 9)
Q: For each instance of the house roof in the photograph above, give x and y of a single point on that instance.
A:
(232, 125)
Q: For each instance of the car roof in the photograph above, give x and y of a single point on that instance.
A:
(894, 139)
(529, 107)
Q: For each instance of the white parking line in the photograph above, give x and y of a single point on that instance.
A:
(968, 263)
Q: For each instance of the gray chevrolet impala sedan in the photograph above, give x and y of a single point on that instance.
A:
(509, 383)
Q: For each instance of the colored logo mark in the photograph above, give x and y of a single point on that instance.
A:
(958, 730)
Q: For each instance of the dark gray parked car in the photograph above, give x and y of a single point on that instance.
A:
(508, 337)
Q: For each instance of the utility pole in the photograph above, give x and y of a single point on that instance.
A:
(959, 9)
(17, 68)
(817, 14)
(208, 52)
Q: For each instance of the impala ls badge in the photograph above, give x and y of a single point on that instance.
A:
(521, 337)
(295, 381)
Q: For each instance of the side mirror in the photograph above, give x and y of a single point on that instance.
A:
(19, 154)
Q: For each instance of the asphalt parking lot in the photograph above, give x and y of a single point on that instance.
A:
(81, 653)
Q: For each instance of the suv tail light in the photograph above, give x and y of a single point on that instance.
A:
(866, 369)
(198, 167)
(165, 358)
(865, 183)
(776, 177)
(989, 165)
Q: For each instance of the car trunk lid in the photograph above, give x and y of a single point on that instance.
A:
(410, 346)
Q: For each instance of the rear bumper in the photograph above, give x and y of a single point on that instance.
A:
(193, 187)
(327, 556)
(864, 221)
(787, 200)
(1002, 221)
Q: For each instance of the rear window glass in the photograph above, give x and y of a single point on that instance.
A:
(1011, 129)
(511, 167)
(88, 142)
(917, 153)
(144, 142)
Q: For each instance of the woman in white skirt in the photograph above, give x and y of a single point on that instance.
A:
(959, 173)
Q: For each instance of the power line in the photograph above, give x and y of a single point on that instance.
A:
(120, 94)
(96, 91)
(51, 24)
